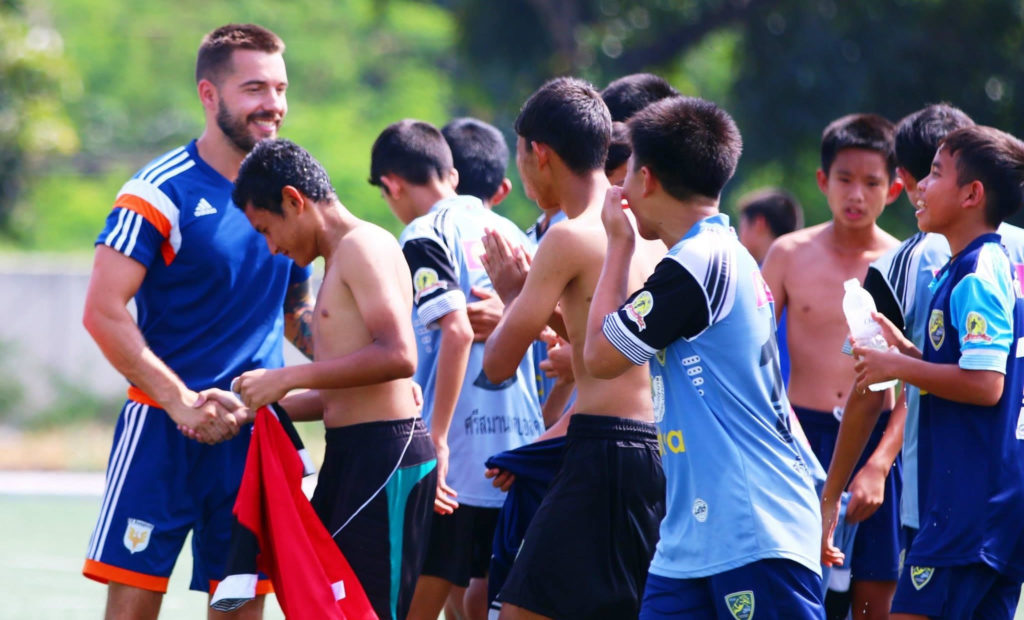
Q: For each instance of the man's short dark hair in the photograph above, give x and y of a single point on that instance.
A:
(479, 153)
(996, 159)
(859, 131)
(631, 93)
(918, 136)
(619, 150)
(691, 145)
(273, 164)
(414, 150)
(569, 116)
(780, 210)
(214, 57)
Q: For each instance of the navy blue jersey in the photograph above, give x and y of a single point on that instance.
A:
(971, 458)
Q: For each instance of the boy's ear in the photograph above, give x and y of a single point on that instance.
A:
(895, 189)
(973, 195)
(909, 182)
(502, 193)
(292, 200)
(393, 184)
(822, 179)
(542, 152)
(651, 182)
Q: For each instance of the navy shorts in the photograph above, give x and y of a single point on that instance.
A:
(590, 543)
(955, 592)
(460, 544)
(159, 486)
(774, 589)
(375, 494)
(877, 545)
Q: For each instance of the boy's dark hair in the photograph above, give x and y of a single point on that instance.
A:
(859, 131)
(619, 150)
(214, 57)
(780, 210)
(273, 164)
(631, 93)
(691, 145)
(996, 159)
(479, 153)
(569, 116)
(918, 136)
(414, 150)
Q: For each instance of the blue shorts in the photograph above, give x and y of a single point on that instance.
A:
(159, 486)
(876, 547)
(773, 588)
(954, 592)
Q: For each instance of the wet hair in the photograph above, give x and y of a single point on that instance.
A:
(569, 116)
(691, 145)
(780, 210)
(479, 153)
(631, 93)
(214, 57)
(414, 150)
(859, 131)
(996, 159)
(918, 136)
(273, 164)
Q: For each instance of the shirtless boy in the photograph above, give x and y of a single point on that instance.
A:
(379, 465)
(587, 550)
(806, 270)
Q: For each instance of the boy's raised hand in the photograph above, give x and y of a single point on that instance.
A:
(613, 216)
(506, 266)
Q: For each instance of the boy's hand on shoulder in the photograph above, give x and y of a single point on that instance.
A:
(613, 216)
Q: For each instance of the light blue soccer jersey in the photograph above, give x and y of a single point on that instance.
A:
(443, 250)
(211, 303)
(738, 490)
(899, 281)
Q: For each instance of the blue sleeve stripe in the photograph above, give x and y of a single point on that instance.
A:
(622, 339)
(979, 359)
(432, 311)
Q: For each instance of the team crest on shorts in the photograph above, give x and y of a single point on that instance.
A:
(136, 535)
(921, 575)
(936, 329)
(639, 308)
(741, 604)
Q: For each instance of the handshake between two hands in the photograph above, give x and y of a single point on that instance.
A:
(215, 416)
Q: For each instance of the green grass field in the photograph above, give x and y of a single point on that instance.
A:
(44, 541)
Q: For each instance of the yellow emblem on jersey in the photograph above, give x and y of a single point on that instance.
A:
(424, 281)
(936, 329)
(977, 328)
(640, 307)
(921, 575)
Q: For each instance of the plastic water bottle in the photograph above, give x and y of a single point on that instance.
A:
(858, 306)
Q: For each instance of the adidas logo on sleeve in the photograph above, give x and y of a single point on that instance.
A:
(204, 208)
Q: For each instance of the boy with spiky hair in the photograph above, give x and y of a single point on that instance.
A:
(740, 499)
(805, 271)
(965, 560)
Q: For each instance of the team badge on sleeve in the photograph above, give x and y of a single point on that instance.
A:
(921, 575)
(639, 308)
(977, 328)
(424, 281)
(741, 604)
(136, 535)
(936, 329)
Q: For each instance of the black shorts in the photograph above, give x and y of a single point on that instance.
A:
(392, 462)
(460, 544)
(587, 550)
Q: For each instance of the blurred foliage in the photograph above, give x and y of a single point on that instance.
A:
(116, 84)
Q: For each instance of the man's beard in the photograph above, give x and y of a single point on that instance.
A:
(237, 129)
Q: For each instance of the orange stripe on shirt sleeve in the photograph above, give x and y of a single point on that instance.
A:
(146, 210)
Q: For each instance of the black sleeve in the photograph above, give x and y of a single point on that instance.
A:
(885, 300)
(435, 286)
(671, 305)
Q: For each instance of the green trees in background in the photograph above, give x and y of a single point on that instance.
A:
(784, 68)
